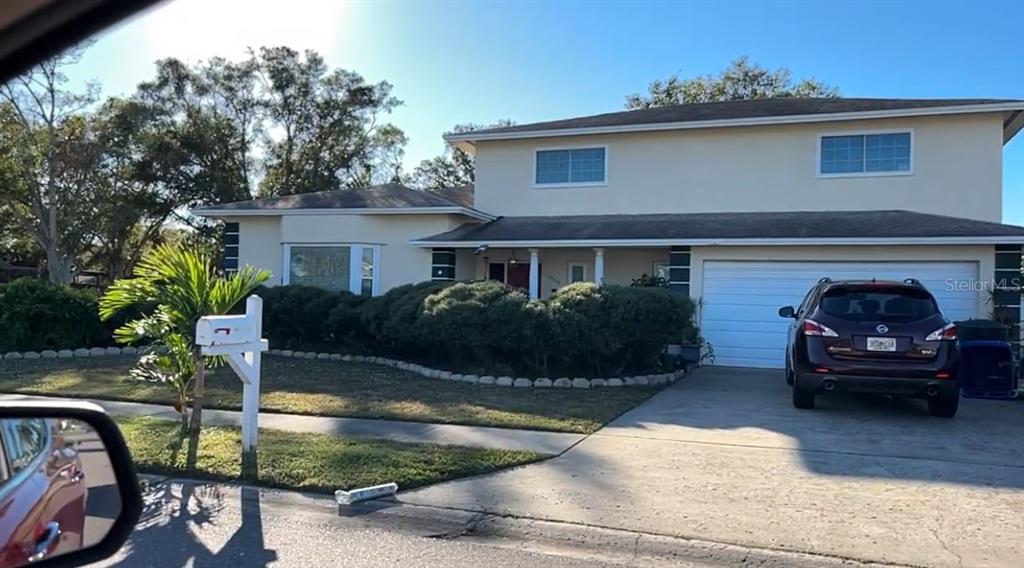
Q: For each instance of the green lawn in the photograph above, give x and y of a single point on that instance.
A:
(315, 462)
(336, 388)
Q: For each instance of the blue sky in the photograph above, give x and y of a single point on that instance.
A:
(453, 62)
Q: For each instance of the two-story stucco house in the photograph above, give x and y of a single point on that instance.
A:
(742, 205)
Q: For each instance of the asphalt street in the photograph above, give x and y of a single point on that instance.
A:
(215, 525)
(200, 524)
(102, 499)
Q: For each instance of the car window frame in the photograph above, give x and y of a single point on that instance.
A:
(809, 300)
(4, 469)
(16, 478)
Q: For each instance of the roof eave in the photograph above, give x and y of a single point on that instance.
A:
(467, 211)
(855, 241)
(472, 137)
(1012, 124)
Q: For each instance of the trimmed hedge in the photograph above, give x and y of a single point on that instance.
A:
(583, 330)
(37, 315)
(304, 317)
(485, 325)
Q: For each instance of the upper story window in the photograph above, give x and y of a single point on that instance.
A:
(868, 154)
(571, 166)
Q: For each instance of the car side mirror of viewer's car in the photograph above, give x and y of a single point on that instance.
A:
(787, 312)
(69, 494)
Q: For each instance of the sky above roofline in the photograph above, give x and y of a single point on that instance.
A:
(459, 62)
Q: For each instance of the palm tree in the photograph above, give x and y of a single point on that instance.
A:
(173, 287)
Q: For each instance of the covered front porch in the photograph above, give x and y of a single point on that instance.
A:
(540, 271)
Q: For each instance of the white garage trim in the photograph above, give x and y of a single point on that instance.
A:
(741, 299)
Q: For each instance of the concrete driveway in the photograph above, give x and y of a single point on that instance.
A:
(723, 456)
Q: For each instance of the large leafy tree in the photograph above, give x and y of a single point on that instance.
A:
(278, 122)
(95, 184)
(455, 167)
(742, 80)
(173, 286)
(137, 206)
(48, 156)
(328, 121)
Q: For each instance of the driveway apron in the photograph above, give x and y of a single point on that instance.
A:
(723, 456)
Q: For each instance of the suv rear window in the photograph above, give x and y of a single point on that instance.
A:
(875, 303)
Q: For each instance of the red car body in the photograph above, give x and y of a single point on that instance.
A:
(42, 503)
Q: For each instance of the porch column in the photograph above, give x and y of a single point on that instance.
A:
(534, 276)
(599, 266)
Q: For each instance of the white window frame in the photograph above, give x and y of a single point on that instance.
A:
(454, 253)
(654, 268)
(355, 264)
(817, 152)
(238, 248)
(574, 264)
(536, 151)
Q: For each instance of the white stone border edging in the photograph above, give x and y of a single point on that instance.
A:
(67, 353)
(514, 382)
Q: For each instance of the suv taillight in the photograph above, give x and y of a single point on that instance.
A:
(944, 333)
(812, 327)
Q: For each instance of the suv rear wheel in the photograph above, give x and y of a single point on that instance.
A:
(803, 397)
(945, 404)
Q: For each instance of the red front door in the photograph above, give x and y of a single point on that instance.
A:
(519, 276)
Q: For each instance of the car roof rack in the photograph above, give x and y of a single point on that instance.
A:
(913, 282)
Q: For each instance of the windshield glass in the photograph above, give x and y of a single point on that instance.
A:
(878, 304)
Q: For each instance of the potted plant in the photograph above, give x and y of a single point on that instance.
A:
(646, 281)
(692, 348)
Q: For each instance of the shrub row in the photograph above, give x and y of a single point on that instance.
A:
(583, 330)
(37, 315)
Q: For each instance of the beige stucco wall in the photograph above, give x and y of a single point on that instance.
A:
(259, 244)
(957, 171)
(621, 266)
(983, 255)
(262, 240)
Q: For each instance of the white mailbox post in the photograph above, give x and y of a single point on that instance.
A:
(237, 338)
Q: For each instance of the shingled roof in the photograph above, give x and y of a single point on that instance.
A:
(386, 196)
(817, 108)
(683, 227)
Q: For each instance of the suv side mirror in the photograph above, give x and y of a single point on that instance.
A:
(787, 312)
(76, 452)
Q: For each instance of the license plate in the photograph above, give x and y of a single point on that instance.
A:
(881, 344)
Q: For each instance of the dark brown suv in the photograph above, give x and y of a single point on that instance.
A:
(872, 336)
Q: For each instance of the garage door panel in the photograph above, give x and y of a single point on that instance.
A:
(740, 357)
(741, 300)
(749, 325)
(748, 306)
(767, 342)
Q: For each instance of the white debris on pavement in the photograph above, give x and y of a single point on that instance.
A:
(364, 493)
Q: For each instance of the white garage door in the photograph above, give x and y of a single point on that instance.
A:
(741, 300)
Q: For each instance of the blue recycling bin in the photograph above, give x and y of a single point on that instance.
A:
(987, 369)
